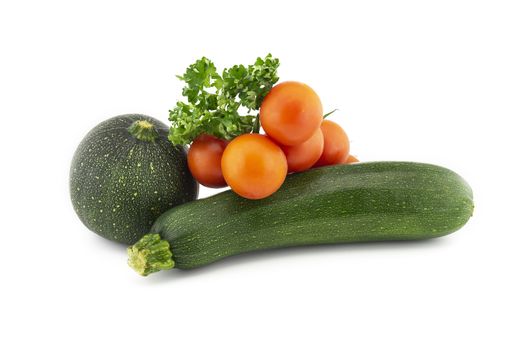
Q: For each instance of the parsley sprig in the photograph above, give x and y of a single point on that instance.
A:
(214, 100)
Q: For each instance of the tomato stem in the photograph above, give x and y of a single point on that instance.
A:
(328, 114)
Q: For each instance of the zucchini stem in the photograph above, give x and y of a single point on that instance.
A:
(143, 130)
(150, 254)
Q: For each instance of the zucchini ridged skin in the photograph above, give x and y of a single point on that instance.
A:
(363, 202)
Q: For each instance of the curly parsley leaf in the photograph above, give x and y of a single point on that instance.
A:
(214, 100)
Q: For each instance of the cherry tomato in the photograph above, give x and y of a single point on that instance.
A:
(304, 155)
(204, 160)
(335, 144)
(290, 113)
(254, 166)
(351, 159)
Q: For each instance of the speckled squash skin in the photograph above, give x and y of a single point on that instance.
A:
(120, 184)
(362, 202)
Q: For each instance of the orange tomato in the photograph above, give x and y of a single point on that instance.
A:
(335, 144)
(254, 166)
(204, 160)
(290, 113)
(351, 159)
(304, 155)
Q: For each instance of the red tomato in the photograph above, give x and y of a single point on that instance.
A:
(254, 166)
(290, 113)
(204, 160)
(304, 155)
(351, 159)
(335, 144)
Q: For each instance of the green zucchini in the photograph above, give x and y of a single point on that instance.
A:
(125, 173)
(363, 202)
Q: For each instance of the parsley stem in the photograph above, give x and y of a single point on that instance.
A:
(256, 126)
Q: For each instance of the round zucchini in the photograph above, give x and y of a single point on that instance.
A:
(362, 202)
(125, 173)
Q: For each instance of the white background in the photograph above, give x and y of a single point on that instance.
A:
(434, 81)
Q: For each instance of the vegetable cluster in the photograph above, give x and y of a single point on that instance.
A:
(226, 147)
(131, 169)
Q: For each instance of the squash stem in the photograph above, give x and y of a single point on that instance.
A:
(143, 130)
(150, 254)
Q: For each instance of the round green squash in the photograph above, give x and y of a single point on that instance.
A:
(125, 173)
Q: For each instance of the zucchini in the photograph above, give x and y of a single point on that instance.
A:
(125, 173)
(363, 202)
